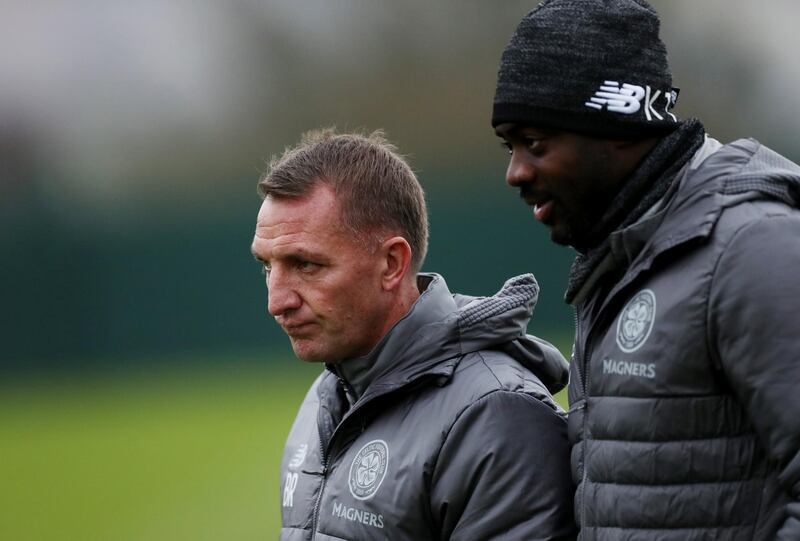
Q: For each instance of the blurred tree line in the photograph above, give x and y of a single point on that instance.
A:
(132, 137)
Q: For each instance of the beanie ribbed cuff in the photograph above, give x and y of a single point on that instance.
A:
(591, 122)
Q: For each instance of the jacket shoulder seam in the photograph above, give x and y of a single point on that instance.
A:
(483, 361)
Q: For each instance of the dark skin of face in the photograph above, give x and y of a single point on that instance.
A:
(570, 179)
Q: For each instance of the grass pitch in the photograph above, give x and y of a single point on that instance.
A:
(173, 454)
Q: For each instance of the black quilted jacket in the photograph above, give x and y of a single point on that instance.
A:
(685, 382)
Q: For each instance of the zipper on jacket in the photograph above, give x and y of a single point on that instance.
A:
(582, 358)
(585, 358)
(324, 473)
(577, 355)
(324, 457)
(349, 394)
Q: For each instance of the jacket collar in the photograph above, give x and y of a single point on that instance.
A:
(717, 177)
(441, 328)
(386, 362)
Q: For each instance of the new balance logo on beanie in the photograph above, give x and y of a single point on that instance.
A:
(627, 99)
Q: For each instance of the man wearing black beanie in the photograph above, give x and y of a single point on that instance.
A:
(683, 405)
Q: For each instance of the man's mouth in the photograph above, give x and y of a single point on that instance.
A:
(542, 206)
(543, 210)
(297, 328)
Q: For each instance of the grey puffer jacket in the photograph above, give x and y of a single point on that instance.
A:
(684, 402)
(446, 430)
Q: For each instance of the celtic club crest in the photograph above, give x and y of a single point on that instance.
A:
(368, 469)
(636, 321)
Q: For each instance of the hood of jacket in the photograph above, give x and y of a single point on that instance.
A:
(717, 178)
(440, 328)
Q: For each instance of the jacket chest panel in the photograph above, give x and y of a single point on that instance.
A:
(375, 483)
(378, 487)
(654, 342)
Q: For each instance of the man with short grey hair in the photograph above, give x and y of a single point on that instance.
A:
(433, 418)
(683, 383)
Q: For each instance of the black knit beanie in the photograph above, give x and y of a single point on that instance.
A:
(590, 66)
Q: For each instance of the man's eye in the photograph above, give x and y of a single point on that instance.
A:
(532, 142)
(307, 266)
(507, 146)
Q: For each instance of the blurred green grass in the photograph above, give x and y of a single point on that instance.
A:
(187, 453)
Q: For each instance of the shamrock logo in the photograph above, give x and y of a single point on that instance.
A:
(368, 469)
(636, 321)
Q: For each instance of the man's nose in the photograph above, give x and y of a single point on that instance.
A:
(281, 294)
(520, 170)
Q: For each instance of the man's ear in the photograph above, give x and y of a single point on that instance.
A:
(396, 262)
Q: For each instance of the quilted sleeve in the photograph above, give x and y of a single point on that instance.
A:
(755, 328)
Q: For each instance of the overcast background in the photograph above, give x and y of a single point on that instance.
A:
(144, 392)
(132, 135)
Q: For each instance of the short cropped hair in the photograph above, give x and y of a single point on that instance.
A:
(376, 188)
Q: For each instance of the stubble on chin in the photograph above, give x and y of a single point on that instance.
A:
(561, 233)
(572, 232)
(559, 238)
(304, 351)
